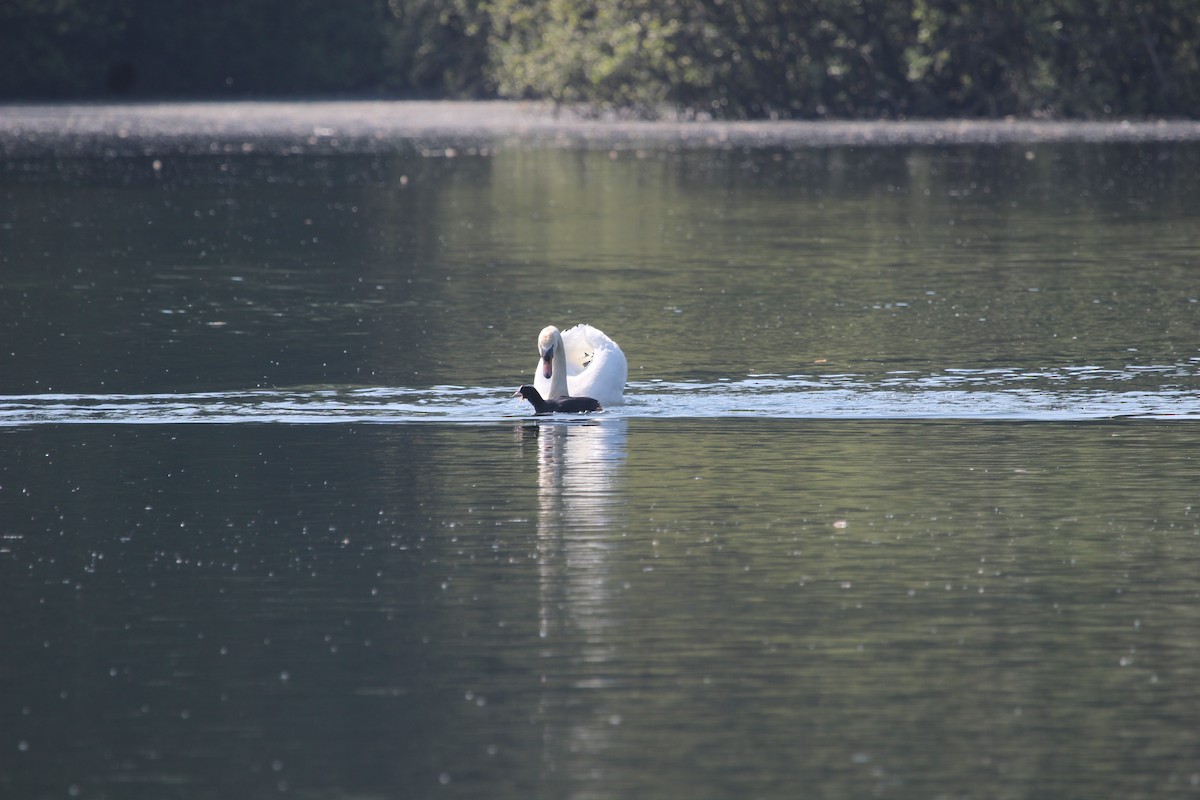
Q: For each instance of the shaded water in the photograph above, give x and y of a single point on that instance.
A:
(902, 502)
(669, 608)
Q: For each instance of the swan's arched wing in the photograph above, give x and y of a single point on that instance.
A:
(596, 367)
(579, 348)
(604, 379)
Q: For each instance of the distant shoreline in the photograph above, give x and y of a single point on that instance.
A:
(367, 126)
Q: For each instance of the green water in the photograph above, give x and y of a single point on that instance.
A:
(704, 594)
(238, 272)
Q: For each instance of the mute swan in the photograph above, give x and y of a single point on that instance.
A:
(565, 405)
(582, 362)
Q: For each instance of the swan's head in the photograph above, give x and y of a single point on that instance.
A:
(549, 340)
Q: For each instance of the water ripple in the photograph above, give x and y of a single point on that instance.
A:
(1073, 393)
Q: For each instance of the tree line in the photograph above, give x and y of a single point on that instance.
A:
(719, 58)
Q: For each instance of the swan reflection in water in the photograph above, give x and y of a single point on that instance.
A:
(580, 521)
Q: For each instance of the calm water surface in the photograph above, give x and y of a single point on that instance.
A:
(903, 503)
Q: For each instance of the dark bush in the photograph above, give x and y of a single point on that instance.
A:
(725, 58)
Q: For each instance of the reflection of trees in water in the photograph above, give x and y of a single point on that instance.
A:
(580, 478)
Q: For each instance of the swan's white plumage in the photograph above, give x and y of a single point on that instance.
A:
(586, 363)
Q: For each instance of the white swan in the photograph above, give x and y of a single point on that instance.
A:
(582, 362)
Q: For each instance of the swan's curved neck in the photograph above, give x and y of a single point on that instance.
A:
(558, 378)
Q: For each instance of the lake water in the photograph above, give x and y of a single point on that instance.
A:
(904, 500)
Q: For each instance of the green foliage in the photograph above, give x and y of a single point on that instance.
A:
(437, 47)
(1082, 58)
(854, 58)
(1128, 57)
(725, 58)
(620, 53)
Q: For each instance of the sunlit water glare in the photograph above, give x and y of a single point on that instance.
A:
(1068, 394)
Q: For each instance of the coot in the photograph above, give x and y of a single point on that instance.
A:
(560, 405)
